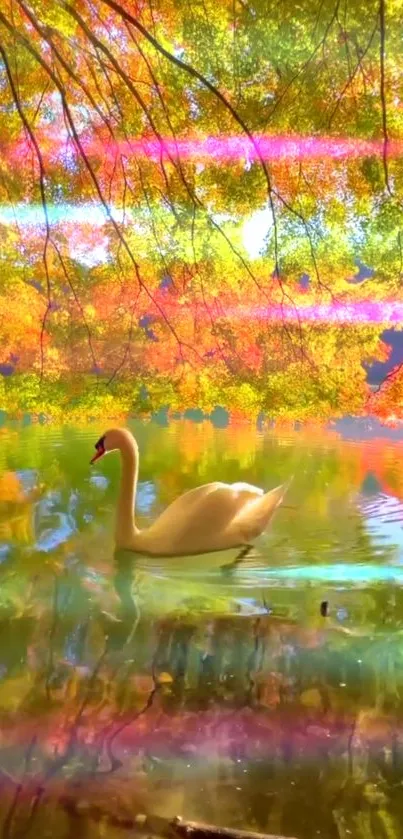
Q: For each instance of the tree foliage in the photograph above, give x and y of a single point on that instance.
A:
(136, 142)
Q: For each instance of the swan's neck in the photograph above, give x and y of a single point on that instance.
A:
(126, 530)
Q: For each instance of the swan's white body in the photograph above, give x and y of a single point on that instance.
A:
(209, 518)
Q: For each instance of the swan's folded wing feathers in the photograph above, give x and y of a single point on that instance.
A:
(254, 516)
(245, 490)
(201, 520)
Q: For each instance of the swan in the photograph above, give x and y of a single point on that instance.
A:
(213, 517)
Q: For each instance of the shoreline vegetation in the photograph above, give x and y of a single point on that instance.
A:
(91, 399)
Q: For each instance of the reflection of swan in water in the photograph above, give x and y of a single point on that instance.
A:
(124, 583)
(121, 624)
(209, 518)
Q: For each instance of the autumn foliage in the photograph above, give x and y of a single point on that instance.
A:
(137, 141)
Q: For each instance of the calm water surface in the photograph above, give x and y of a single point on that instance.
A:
(192, 687)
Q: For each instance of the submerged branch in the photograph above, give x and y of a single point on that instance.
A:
(142, 824)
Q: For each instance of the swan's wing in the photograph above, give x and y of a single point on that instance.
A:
(222, 500)
(254, 516)
(247, 491)
(199, 520)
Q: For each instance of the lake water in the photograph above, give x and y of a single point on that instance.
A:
(192, 687)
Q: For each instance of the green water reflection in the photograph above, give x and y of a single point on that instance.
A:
(191, 686)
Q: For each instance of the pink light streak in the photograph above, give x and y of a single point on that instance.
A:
(359, 312)
(217, 148)
(353, 312)
(271, 147)
(211, 734)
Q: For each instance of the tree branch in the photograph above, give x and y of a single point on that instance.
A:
(191, 71)
(382, 31)
(35, 145)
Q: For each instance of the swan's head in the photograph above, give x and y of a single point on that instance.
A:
(110, 441)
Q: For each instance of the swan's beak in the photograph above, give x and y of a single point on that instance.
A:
(97, 455)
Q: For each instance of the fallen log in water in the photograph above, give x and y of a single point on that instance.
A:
(157, 826)
(197, 830)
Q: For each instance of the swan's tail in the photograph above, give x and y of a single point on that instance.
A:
(255, 517)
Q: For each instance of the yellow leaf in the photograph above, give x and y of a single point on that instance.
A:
(311, 699)
(164, 679)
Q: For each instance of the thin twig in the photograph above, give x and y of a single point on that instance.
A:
(382, 31)
(38, 153)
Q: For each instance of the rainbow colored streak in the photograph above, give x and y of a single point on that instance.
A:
(203, 736)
